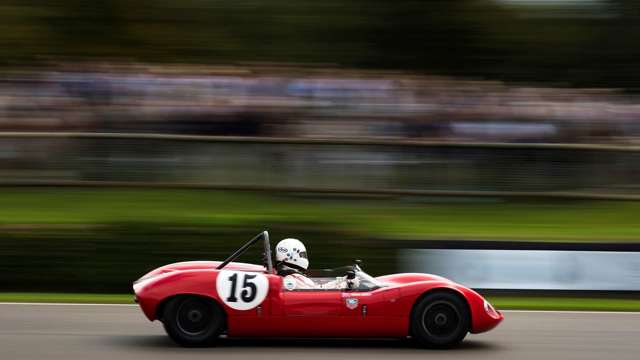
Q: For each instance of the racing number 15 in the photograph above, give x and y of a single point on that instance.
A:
(249, 288)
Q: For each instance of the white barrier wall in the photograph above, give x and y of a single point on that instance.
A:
(526, 269)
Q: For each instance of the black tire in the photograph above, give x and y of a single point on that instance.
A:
(440, 319)
(193, 321)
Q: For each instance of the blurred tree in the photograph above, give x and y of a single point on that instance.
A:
(618, 62)
(440, 35)
(93, 28)
(574, 43)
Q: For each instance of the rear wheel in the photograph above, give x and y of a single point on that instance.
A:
(440, 319)
(193, 320)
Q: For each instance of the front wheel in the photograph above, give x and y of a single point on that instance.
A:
(193, 321)
(440, 319)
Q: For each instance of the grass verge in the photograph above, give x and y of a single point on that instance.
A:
(71, 298)
(564, 303)
(500, 302)
(396, 218)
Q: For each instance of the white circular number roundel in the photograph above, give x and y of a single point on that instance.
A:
(242, 290)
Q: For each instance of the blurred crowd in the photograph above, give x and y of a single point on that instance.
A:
(331, 102)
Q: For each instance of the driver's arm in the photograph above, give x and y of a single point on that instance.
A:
(303, 282)
(341, 282)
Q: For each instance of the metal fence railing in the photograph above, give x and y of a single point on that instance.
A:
(383, 167)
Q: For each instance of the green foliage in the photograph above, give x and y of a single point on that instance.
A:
(109, 259)
(92, 240)
(586, 45)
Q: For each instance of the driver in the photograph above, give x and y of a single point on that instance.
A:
(292, 263)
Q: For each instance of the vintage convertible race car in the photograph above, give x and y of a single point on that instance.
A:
(198, 301)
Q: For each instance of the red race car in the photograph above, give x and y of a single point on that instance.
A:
(198, 301)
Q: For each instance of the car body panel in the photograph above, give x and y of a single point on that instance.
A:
(381, 312)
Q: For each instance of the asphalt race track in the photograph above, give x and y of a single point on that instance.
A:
(121, 332)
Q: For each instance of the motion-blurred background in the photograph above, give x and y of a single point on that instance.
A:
(493, 141)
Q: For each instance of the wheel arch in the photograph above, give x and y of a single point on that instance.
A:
(163, 303)
(449, 290)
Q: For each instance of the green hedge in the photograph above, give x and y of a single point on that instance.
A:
(106, 259)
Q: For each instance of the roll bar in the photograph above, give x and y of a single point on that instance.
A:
(266, 248)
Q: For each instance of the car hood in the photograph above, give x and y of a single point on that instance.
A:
(406, 278)
(197, 265)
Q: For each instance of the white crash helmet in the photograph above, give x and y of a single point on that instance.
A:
(292, 253)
